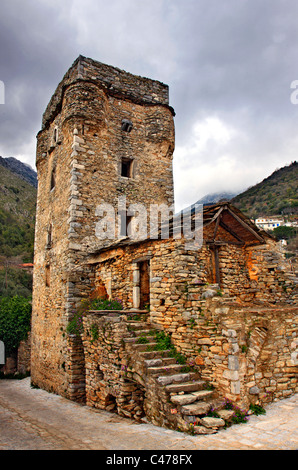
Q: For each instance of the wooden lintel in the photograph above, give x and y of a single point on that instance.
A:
(213, 243)
(106, 255)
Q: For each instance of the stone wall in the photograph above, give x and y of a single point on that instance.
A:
(242, 334)
(107, 386)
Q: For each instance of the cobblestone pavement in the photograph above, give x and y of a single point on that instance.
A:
(32, 419)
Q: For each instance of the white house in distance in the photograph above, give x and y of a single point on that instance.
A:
(269, 223)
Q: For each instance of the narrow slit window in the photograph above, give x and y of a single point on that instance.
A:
(49, 236)
(48, 276)
(53, 178)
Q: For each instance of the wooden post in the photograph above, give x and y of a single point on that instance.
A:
(216, 257)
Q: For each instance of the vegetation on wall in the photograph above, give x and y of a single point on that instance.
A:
(75, 325)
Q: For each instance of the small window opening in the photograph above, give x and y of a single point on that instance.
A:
(49, 236)
(55, 135)
(48, 274)
(126, 125)
(53, 178)
(126, 167)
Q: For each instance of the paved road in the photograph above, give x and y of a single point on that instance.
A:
(32, 419)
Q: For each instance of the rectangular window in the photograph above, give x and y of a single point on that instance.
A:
(127, 167)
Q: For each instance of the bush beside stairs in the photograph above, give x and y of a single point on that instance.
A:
(174, 395)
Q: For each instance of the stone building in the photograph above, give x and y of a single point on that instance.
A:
(216, 292)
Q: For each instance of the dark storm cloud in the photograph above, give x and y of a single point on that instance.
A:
(229, 65)
(33, 52)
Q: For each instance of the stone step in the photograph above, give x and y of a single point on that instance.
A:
(155, 354)
(144, 346)
(192, 386)
(143, 332)
(185, 399)
(197, 408)
(189, 398)
(176, 378)
(159, 361)
(164, 369)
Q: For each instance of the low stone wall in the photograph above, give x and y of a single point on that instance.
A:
(248, 354)
(107, 386)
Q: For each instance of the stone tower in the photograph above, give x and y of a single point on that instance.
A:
(105, 134)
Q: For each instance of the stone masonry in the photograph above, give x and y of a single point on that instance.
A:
(82, 150)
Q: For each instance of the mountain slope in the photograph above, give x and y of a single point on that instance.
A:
(275, 195)
(24, 171)
(17, 215)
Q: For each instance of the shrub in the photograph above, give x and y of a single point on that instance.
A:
(15, 321)
(105, 304)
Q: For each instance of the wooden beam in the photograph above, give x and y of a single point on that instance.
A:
(215, 216)
(216, 226)
(219, 242)
(217, 273)
(244, 225)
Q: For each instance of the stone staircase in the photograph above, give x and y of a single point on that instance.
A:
(175, 396)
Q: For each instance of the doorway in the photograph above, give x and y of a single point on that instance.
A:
(144, 269)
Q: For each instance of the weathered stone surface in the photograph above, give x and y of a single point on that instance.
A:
(183, 399)
(203, 394)
(196, 409)
(225, 414)
(153, 362)
(210, 422)
(175, 378)
(203, 430)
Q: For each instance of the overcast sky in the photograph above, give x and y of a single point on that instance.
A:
(229, 65)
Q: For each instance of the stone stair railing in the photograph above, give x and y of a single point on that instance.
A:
(175, 397)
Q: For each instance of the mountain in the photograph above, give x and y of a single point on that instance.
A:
(24, 171)
(275, 195)
(216, 197)
(17, 220)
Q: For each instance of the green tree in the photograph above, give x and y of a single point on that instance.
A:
(15, 321)
(283, 232)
